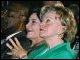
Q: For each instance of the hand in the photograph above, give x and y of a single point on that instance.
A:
(16, 49)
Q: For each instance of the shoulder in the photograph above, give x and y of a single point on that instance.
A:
(67, 54)
(64, 52)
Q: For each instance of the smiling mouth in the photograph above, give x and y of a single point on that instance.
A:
(29, 31)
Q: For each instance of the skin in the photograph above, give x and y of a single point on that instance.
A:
(33, 28)
(50, 29)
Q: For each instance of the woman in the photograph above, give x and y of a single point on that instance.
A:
(33, 28)
(17, 16)
(58, 29)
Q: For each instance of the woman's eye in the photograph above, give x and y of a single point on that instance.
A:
(47, 20)
(55, 17)
(33, 21)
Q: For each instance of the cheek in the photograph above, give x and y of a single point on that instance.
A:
(36, 29)
(52, 29)
(11, 21)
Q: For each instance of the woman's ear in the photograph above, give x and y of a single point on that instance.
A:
(64, 28)
(61, 30)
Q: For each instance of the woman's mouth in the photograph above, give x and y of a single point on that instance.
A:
(29, 30)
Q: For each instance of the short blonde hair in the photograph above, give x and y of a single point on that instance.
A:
(67, 20)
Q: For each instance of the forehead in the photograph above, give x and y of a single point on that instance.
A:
(12, 13)
(33, 15)
(51, 14)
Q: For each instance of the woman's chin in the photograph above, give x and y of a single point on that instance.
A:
(29, 36)
(43, 35)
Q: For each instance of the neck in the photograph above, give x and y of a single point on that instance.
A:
(36, 40)
(53, 41)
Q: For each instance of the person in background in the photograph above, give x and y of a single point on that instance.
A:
(14, 19)
(17, 14)
(12, 22)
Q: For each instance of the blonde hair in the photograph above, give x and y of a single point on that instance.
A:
(59, 3)
(67, 20)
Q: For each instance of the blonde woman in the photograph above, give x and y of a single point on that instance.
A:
(58, 29)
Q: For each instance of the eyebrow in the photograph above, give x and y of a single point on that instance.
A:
(33, 19)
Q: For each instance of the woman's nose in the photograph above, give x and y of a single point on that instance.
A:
(27, 25)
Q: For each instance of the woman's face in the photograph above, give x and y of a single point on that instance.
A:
(15, 17)
(33, 26)
(51, 24)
